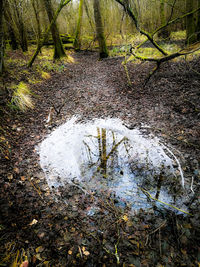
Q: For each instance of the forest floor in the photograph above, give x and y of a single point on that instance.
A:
(52, 233)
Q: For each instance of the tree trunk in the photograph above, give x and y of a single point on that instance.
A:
(20, 25)
(88, 15)
(35, 6)
(99, 30)
(164, 33)
(58, 47)
(41, 43)
(18, 12)
(11, 31)
(198, 23)
(1, 38)
(190, 23)
(77, 41)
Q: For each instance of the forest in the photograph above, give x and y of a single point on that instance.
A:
(99, 133)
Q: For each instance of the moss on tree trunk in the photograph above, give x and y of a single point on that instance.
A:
(190, 23)
(1, 38)
(164, 33)
(198, 23)
(103, 51)
(77, 41)
(58, 46)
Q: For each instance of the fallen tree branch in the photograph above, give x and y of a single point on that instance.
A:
(183, 52)
(162, 202)
(150, 36)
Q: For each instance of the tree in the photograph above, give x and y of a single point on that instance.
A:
(166, 56)
(40, 44)
(58, 46)
(198, 23)
(35, 5)
(100, 30)
(1, 37)
(77, 41)
(190, 22)
(17, 7)
(164, 33)
(10, 26)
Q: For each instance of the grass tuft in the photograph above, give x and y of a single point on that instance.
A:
(45, 75)
(22, 97)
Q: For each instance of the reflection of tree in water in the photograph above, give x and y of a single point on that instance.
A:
(109, 154)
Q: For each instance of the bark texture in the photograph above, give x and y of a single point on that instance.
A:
(58, 47)
(18, 13)
(10, 27)
(198, 23)
(1, 37)
(77, 40)
(164, 33)
(35, 5)
(190, 22)
(99, 30)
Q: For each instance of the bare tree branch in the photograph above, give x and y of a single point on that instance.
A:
(183, 52)
(150, 36)
(127, 8)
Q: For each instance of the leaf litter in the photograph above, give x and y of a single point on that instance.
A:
(65, 234)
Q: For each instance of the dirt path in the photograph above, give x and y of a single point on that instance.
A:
(64, 234)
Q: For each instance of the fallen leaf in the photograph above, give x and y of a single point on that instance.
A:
(70, 252)
(10, 176)
(38, 257)
(39, 249)
(125, 218)
(23, 178)
(34, 221)
(41, 235)
(16, 170)
(86, 253)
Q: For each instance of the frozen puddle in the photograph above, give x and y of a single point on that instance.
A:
(106, 155)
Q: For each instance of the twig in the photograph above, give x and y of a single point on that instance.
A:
(124, 64)
(172, 11)
(150, 196)
(179, 165)
(160, 242)
(191, 187)
(36, 189)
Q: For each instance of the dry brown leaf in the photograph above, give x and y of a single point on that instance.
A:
(70, 252)
(86, 253)
(23, 178)
(34, 221)
(39, 249)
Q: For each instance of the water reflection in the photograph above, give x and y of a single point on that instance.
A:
(102, 153)
(109, 155)
(105, 155)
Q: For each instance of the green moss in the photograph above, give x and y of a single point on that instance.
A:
(179, 35)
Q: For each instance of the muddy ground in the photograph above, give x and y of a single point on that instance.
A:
(52, 233)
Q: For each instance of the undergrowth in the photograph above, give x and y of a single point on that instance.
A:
(19, 78)
(21, 84)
